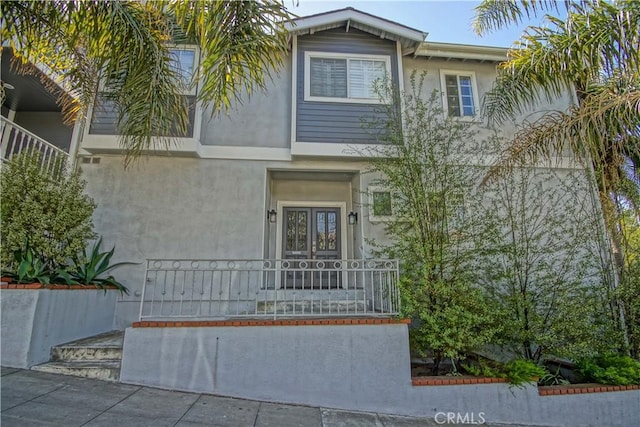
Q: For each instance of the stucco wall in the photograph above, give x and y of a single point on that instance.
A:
(172, 207)
(260, 120)
(35, 320)
(354, 367)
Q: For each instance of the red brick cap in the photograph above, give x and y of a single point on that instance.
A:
(554, 390)
(282, 322)
(445, 380)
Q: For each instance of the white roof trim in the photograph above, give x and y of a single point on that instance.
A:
(462, 51)
(322, 19)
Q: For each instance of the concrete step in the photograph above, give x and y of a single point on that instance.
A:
(96, 357)
(311, 307)
(107, 346)
(107, 370)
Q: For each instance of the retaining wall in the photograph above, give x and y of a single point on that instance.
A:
(348, 365)
(34, 320)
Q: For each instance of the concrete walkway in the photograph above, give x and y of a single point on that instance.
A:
(31, 398)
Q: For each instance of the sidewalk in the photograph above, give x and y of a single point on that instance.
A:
(31, 398)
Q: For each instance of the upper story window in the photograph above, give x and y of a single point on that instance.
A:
(184, 59)
(460, 93)
(335, 77)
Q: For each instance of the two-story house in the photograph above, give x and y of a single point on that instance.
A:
(262, 217)
(277, 179)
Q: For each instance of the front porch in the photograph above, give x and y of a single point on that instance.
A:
(268, 288)
(32, 119)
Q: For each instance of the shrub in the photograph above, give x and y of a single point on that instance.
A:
(53, 215)
(610, 369)
(521, 371)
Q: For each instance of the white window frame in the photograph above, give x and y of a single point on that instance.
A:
(474, 91)
(381, 218)
(307, 75)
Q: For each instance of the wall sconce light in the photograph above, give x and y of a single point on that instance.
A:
(272, 216)
(353, 218)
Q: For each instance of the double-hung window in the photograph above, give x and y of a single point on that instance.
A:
(333, 77)
(460, 93)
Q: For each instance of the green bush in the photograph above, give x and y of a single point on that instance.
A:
(518, 372)
(610, 369)
(522, 371)
(53, 215)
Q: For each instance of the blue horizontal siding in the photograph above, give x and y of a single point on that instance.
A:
(337, 122)
(104, 116)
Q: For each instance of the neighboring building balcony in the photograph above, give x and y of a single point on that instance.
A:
(269, 288)
(15, 139)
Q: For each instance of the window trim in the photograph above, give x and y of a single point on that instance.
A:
(474, 91)
(330, 55)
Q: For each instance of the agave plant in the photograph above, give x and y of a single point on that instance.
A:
(30, 268)
(91, 268)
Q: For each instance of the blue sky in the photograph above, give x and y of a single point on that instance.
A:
(444, 20)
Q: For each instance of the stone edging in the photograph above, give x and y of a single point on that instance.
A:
(554, 390)
(440, 380)
(283, 322)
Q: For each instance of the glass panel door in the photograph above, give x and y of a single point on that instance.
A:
(311, 239)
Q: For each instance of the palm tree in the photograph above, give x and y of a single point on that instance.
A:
(123, 47)
(594, 52)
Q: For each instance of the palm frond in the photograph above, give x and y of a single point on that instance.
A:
(603, 130)
(242, 45)
(492, 15)
(120, 48)
(591, 45)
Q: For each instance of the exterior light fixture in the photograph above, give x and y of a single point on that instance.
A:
(272, 216)
(353, 218)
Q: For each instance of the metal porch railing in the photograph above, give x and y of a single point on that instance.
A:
(210, 289)
(15, 139)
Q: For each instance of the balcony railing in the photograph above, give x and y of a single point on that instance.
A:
(15, 140)
(213, 289)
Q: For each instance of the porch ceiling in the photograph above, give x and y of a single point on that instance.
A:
(28, 94)
(339, 176)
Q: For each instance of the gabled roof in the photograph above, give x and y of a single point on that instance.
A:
(349, 17)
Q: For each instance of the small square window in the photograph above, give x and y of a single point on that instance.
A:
(459, 93)
(383, 204)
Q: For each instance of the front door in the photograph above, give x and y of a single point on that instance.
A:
(311, 235)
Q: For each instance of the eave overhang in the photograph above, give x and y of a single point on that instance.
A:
(409, 38)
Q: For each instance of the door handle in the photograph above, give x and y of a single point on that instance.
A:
(313, 250)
